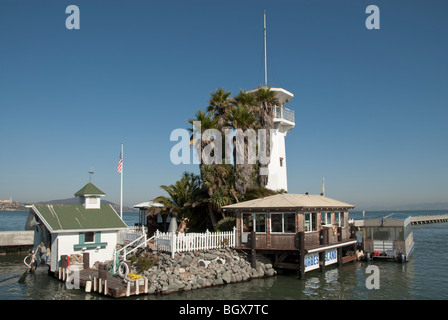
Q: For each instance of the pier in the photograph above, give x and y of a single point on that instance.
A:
(429, 219)
(415, 220)
(16, 241)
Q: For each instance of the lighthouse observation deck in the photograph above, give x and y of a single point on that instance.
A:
(281, 113)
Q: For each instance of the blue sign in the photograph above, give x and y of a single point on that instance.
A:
(331, 256)
(312, 259)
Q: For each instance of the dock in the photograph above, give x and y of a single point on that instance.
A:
(102, 282)
(415, 220)
(16, 241)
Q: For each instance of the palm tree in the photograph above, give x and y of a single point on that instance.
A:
(264, 111)
(183, 196)
(218, 180)
(245, 98)
(219, 105)
(242, 119)
(207, 121)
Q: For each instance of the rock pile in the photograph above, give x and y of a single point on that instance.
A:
(202, 269)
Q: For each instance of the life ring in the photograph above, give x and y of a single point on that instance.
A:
(123, 269)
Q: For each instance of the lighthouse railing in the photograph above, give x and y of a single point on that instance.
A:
(283, 113)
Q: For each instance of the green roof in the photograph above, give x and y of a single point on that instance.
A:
(89, 189)
(60, 217)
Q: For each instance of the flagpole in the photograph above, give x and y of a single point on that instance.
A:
(323, 186)
(121, 189)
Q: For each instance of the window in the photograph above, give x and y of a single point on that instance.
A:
(310, 221)
(276, 222)
(283, 222)
(281, 162)
(383, 233)
(260, 222)
(339, 219)
(89, 237)
(248, 223)
(325, 218)
(89, 240)
(289, 220)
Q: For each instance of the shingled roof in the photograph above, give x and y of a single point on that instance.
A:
(289, 201)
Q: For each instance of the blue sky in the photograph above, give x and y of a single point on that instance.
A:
(370, 105)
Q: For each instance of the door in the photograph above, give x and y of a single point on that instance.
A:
(248, 227)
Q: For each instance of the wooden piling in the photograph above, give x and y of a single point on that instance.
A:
(253, 251)
(322, 261)
(339, 251)
(88, 287)
(300, 244)
(105, 288)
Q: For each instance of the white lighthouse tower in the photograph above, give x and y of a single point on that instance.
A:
(283, 123)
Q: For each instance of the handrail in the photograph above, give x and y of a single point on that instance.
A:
(117, 252)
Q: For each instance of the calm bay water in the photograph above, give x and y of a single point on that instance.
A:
(422, 278)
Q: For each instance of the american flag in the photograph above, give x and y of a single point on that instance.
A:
(120, 163)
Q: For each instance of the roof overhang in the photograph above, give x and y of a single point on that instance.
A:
(282, 95)
(148, 204)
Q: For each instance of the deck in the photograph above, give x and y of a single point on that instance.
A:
(106, 283)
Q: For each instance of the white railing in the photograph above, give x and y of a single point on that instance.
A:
(130, 234)
(179, 242)
(120, 255)
(283, 113)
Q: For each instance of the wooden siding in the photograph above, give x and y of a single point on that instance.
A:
(285, 241)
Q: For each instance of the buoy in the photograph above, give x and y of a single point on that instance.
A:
(123, 269)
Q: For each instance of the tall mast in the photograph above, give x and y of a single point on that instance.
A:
(265, 56)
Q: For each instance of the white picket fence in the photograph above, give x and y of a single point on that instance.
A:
(180, 242)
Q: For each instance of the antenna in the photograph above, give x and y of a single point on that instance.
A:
(265, 56)
(90, 177)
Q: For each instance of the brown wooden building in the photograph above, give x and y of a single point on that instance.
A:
(299, 231)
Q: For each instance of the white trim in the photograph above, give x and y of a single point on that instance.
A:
(332, 246)
(283, 222)
(41, 218)
(311, 221)
(87, 230)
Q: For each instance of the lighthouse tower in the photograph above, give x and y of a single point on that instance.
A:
(283, 123)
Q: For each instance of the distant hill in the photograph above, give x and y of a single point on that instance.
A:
(75, 200)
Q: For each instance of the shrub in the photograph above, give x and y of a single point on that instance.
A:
(146, 261)
(226, 224)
